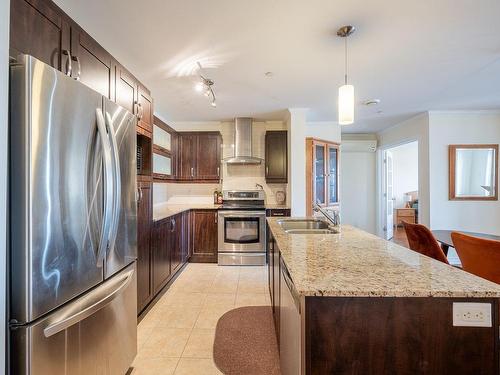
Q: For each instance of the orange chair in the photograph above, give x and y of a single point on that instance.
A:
(478, 255)
(422, 241)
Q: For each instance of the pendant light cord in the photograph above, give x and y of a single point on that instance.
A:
(345, 62)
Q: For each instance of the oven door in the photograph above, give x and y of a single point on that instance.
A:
(242, 231)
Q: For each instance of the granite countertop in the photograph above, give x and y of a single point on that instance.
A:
(355, 263)
(164, 210)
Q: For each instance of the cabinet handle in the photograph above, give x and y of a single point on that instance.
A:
(79, 67)
(172, 225)
(267, 170)
(215, 216)
(218, 171)
(139, 194)
(138, 110)
(192, 172)
(69, 67)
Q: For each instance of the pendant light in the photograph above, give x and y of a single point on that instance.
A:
(346, 92)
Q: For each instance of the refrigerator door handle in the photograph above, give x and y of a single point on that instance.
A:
(117, 194)
(90, 304)
(108, 187)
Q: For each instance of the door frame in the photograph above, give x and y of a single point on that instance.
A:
(380, 174)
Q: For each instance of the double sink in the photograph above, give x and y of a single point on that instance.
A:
(307, 226)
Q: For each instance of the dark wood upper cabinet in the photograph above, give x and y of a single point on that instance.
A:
(186, 156)
(92, 64)
(204, 236)
(144, 212)
(38, 29)
(208, 152)
(144, 109)
(126, 87)
(199, 156)
(276, 156)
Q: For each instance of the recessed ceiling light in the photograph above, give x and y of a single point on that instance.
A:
(371, 102)
(268, 74)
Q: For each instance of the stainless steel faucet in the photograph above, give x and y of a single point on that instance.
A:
(335, 219)
(259, 186)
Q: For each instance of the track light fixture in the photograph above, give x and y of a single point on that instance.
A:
(205, 86)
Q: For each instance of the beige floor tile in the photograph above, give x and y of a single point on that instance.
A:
(143, 333)
(251, 287)
(200, 344)
(178, 316)
(224, 286)
(196, 366)
(243, 299)
(182, 299)
(165, 342)
(154, 366)
(214, 299)
(209, 315)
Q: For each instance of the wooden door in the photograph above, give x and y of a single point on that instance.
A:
(39, 30)
(161, 254)
(204, 236)
(208, 147)
(144, 109)
(144, 287)
(91, 62)
(186, 156)
(276, 157)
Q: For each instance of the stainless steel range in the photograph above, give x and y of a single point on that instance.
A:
(242, 228)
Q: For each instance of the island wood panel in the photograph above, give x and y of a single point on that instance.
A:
(396, 336)
(204, 236)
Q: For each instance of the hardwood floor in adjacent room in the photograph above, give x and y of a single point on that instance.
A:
(400, 237)
(176, 336)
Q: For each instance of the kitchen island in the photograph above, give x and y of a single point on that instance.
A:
(353, 303)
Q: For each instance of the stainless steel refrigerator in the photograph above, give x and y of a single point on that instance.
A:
(73, 221)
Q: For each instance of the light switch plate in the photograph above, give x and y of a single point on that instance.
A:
(471, 314)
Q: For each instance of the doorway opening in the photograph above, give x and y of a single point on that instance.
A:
(399, 198)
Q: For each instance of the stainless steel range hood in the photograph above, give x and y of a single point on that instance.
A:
(243, 143)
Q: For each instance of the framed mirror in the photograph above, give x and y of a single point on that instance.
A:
(473, 172)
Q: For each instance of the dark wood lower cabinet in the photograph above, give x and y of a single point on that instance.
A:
(144, 206)
(161, 253)
(204, 236)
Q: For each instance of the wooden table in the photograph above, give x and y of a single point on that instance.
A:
(444, 237)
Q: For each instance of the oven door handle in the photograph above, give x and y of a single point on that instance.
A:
(243, 214)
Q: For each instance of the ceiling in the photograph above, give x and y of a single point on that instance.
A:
(412, 55)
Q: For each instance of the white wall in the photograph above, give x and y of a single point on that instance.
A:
(414, 129)
(358, 189)
(405, 171)
(296, 126)
(4, 86)
(445, 128)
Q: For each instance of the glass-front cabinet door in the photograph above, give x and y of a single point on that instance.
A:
(163, 156)
(333, 162)
(319, 174)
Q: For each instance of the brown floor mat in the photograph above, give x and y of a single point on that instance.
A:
(245, 342)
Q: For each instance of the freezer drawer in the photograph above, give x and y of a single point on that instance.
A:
(95, 334)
